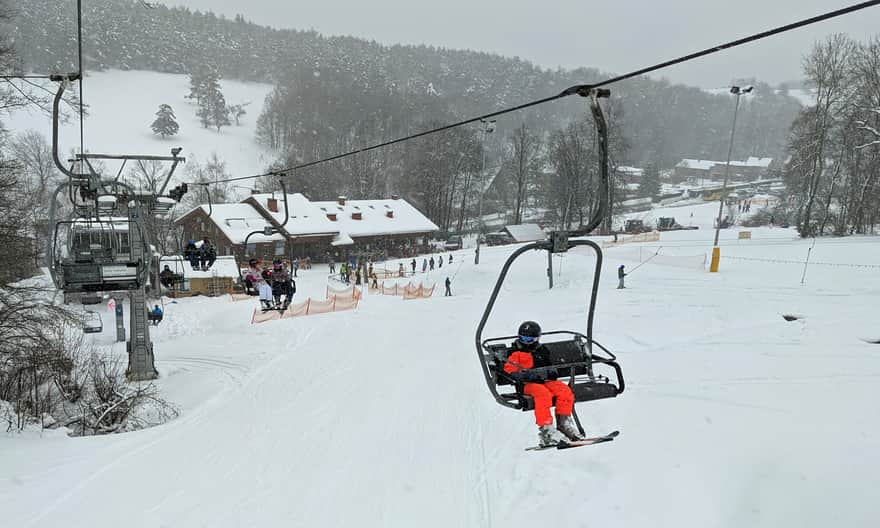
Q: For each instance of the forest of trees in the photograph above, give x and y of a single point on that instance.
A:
(833, 176)
(377, 90)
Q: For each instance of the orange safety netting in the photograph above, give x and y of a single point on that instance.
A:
(421, 292)
(308, 307)
(348, 293)
(395, 289)
(240, 297)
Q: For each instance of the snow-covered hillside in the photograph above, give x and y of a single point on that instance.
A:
(380, 417)
(136, 95)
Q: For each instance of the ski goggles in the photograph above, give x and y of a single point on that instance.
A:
(527, 339)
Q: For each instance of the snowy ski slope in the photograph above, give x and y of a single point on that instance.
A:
(136, 95)
(380, 417)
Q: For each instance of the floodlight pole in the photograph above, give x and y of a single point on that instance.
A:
(716, 251)
(488, 128)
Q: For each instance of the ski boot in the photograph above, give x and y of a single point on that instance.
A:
(546, 438)
(566, 425)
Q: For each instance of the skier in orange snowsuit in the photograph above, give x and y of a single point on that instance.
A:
(529, 353)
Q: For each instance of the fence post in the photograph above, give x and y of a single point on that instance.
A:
(333, 309)
(308, 303)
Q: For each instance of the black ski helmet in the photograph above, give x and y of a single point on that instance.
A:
(530, 329)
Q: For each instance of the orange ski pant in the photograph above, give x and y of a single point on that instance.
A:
(543, 394)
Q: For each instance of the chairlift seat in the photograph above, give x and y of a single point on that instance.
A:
(92, 323)
(154, 317)
(565, 356)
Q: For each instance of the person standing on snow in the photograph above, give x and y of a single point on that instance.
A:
(620, 275)
(413, 265)
(542, 387)
(448, 286)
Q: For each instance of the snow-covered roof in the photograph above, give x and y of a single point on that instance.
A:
(751, 161)
(630, 171)
(224, 266)
(526, 232)
(342, 239)
(697, 164)
(310, 218)
(237, 221)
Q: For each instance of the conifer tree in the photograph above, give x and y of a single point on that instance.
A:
(166, 123)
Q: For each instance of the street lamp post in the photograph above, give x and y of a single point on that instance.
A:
(488, 128)
(716, 251)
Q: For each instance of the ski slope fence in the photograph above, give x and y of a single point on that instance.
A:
(656, 256)
(350, 293)
(407, 291)
(420, 292)
(235, 297)
(334, 303)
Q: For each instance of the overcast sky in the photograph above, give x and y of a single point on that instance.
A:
(615, 36)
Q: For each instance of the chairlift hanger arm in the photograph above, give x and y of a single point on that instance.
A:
(264, 231)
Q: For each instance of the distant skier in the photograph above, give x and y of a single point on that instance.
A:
(541, 386)
(413, 265)
(440, 265)
(424, 265)
(448, 290)
(332, 267)
(620, 275)
(431, 263)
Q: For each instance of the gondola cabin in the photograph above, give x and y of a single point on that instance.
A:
(93, 255)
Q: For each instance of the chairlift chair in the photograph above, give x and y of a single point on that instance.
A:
(574, 355)
(92, 323)
(92, 255)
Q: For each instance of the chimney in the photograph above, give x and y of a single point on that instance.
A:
(356, 216)
(395, 197)
(273, 205)
(341, 200)
(331, 217)
(389, 213)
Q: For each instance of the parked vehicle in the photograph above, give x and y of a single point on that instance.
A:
(668, 223)
(634, 227)
(453, 243)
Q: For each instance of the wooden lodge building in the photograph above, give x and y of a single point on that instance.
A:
(320, 230)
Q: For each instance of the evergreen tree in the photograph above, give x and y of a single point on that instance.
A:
(218, 111)
(166, 123)
(650, 186)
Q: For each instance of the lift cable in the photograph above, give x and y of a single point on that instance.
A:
(580, 89)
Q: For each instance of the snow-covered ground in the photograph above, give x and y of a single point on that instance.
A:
(732, 416)
(137, 95)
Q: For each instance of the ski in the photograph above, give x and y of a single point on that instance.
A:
(568, 444)
(871, 340)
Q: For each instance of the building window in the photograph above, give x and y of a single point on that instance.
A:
(279, 248)
(251, 249)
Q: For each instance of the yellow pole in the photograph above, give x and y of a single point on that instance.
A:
(716, 257)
